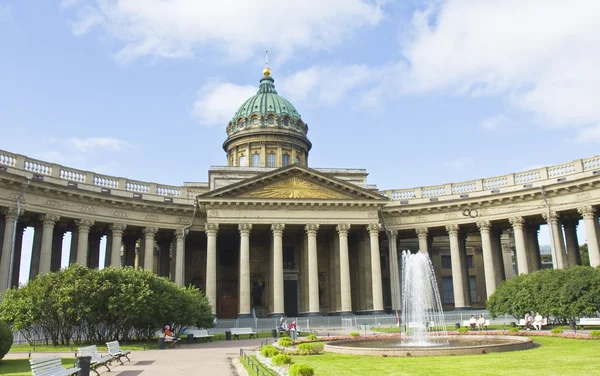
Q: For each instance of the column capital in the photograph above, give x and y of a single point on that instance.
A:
(245, 228)
(587, 212)
(484, 226)
(452, 229)
(118, 228)
(181, 233)
(10, 213)
(343, 228)
(211, 228)
(149, 232)
(517, 222)
(373, 228)
(552, 218)
(277, 228)
(49, 220)
(422, 232)
(84, 224)
(312, 228)
(392, 234)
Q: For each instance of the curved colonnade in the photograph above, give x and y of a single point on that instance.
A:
(339, 246)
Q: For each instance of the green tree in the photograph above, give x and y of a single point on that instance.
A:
(585, 254)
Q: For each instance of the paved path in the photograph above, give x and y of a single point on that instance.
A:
(197, 359)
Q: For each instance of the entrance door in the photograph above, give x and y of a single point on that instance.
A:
(290, 301)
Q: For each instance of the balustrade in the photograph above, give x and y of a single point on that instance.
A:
(38, 167)
(7, 160)
(72, 175)
(103, 181)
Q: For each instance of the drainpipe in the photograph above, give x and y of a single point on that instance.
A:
(14, 234)
(550, 230)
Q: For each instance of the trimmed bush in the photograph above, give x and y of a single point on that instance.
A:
(269, 351)
(306, 349)
(513, 330)
(595, 334)
(301, 369)
(352, 335)
(281, 360)
(6, 339)
(556, 331)
(312, 337)
(285, 342)
(462, 330)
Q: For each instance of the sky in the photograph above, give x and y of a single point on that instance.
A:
(416, 92)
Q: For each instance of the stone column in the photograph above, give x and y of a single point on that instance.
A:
(149, 233)
(422, 234)
(556, 239)
(488, 257)
(345, 286)
(180, 257)
(48, 222)
(278, 302)
(94, 250)
(57, 244)
(395, 284)
(572, 243)
(244, 283)
(84, 226)
(373, 229)
(16, 266)
(117, 242)
(36, 250)
(11, 217)
(520, 245)
(457, 270)
(589, 218)
(533, 248)
(211, 230)
(313, 269)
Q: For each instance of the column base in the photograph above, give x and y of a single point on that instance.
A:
(275, 314)
(309, 314)
(468, 308)
(341, 313)
(370, 313)
(244, 316)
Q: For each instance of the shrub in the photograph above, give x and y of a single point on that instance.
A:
(6, 339)
(595, 334)
(513, 330)
(352, 335)
(281, 359)
(462, 330)
(309, 348)
(556, 331)
(269, 351)
(312, 337)
(285, 342)
(301, 369)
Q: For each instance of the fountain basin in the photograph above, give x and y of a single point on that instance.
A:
(458, 345)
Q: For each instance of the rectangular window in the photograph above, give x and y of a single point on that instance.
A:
(243, 162)
(297, 160)
(447, 290)
(271, 160)
(286, 159)
(473, 288)
(255, 160)
(446, 262)
(470, 261)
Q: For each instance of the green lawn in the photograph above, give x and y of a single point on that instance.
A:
(551, 356)
(20, 367)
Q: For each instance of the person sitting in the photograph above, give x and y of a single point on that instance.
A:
(537, 321)
(528, 321)
(169, 337)
(472, 322)
(480, 322)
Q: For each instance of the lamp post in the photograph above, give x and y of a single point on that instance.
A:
(14, 233)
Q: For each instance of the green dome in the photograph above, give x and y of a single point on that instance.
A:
(266, 101)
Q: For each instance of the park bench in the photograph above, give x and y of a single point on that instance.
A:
(523, 323)
(467, 324)
(50, 366)
(236, 332)
(583, 321)
(97, 360)
(114, 350)
(419, 325)
(200, 333)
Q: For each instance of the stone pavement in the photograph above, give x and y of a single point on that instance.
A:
(198, 359)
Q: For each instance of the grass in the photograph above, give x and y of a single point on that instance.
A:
(551, 356)
(251, 367)
(20, 367)
(395, 329)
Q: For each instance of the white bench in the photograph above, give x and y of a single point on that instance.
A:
(114, 350)
(97, 360)
(50, 366)
(200, 333)
(588, 321)
(237, 331)
(523, 323)
(419, 325)
(467, 324)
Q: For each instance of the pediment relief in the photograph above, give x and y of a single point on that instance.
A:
(294, 188)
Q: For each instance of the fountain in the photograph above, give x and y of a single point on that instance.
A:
(423, 330)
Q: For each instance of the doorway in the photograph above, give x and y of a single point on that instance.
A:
(290, 300)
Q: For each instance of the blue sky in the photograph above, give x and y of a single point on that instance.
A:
(417, 92)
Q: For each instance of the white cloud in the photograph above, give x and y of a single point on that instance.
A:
(459, 163)
(238, 28)
(94, 144)
(494, 122)
(588, 135)
(542, 54)
(218, 101)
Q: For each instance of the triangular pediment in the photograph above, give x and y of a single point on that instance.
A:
(293, 182)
